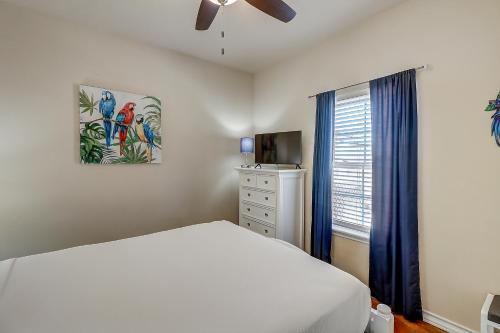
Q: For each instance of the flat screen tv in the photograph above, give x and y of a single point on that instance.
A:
(279, 148)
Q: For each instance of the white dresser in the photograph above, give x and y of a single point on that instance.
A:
(272, 203)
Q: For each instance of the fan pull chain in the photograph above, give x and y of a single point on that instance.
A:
(222, 33)
(222, 36)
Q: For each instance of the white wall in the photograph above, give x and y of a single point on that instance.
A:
(459, 162)
(48, 200)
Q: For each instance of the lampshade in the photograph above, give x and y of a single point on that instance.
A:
(246, 145)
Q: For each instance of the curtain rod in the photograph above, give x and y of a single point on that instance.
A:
(424, 67)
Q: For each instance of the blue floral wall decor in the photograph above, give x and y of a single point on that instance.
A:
(495, 125)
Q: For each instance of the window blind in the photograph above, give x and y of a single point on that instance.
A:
(352, 162)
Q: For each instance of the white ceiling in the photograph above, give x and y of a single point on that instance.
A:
(253, 39)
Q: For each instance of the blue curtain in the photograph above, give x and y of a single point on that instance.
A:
(321, 230)
(394, 262)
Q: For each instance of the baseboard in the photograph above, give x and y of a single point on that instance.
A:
(445, 324)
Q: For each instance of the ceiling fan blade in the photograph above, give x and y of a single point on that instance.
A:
(206, 14)
(276, 8)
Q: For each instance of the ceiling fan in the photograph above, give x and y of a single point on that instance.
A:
(275, 8)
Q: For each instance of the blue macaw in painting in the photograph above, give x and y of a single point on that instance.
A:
(107, 109)
(145, 134)
(495, 125)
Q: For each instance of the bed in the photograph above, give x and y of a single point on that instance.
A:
(214, 277)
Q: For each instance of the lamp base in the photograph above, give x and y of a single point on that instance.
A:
(246, 161)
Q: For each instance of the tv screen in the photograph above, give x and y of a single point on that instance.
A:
(278, 148)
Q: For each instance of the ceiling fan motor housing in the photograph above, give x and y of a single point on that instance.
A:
(223, 2)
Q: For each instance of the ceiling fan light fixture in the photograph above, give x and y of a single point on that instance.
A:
(223, 2)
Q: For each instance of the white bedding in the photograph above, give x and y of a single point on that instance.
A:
(214, 277)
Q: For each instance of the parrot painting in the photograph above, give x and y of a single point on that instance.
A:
(145, 134)
(107, 109)
(495, 125)
(123, 121)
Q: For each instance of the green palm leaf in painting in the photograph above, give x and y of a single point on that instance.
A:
(91, 147)
(153, 106)
(91, 150)
(156, 100)
(133, 155)
(109, 156)
(494, 105)
(490, 107)
(87, 104)
(94, 130)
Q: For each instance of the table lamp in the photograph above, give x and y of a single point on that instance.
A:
(246, 148)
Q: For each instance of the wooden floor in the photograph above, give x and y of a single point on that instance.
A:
(402, 325)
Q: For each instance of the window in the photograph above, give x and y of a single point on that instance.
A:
(352, 164)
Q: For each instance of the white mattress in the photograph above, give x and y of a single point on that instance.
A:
(214, 277)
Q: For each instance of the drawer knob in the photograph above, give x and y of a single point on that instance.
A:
(248, 194)
(266, 231)
(248, 179)
(248, 224)
(248, 209)
(267, 198)
(267, 215)
(265, 182)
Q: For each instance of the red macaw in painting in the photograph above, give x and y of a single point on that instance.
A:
(123, 121)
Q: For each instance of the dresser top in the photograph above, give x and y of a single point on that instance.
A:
(270, 170)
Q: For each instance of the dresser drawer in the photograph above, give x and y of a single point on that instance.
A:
(264, 230)
(263, 198)
(246, 223)
(267, 215)
(257, 227)
(248, 179)
(266, 182)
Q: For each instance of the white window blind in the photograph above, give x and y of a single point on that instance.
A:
(352, 162)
